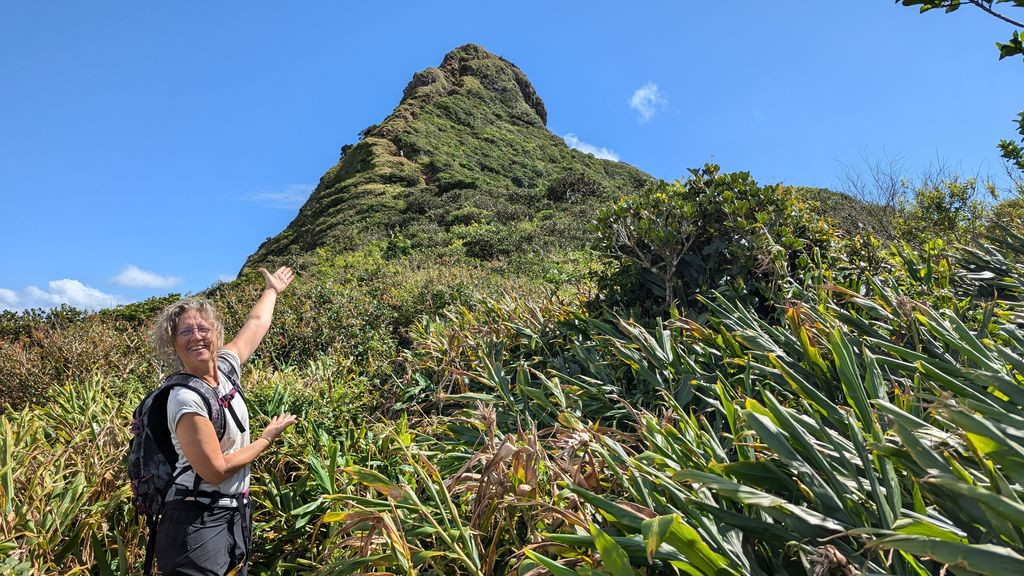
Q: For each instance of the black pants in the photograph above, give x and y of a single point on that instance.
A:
(196, 539)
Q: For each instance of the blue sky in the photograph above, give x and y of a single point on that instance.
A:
(150, 147)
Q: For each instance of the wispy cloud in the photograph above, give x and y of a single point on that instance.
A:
(291, 197)
(648, 100)
(65, 291)
(573, 142)
(135, 277)
(226, 278)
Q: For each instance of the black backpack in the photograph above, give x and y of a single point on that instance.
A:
(152, 459)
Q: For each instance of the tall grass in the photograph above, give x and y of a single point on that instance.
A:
(66, 503)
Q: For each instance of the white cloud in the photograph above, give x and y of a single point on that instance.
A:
(65, 291)
(573, 142)
(135, 277)
(8, 298)
(291, 198)
(647, 100)
(226, 278)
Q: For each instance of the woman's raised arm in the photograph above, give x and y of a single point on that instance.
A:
(258, 322)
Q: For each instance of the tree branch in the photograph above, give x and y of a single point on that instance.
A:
(980, 4)
(992, 12)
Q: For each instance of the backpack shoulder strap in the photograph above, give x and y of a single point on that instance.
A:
(228, 368)
(214, 408)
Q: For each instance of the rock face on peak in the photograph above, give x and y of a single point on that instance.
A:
(465, 161)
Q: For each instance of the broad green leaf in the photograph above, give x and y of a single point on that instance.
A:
(613, 557)
(375, 480)
(1000, 505)
(773, 505)
(307, 507)
(654, 530)
(928, 529)
(555, 568)
(884, 511)
(611, 510)
(632, 545)
(810, 393)
(849, 377)
(1004, 451)
(905, 425)
(761, 473)
(986, 559)
(335, 516)
(689, 543)
(832, 490)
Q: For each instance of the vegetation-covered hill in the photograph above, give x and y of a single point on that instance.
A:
(464, 159)
(512, 358)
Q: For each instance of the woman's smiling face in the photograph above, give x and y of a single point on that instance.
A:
(194, 339)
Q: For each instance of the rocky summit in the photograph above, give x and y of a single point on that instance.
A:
(464, 162)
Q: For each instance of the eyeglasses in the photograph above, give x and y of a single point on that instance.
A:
(203, 332)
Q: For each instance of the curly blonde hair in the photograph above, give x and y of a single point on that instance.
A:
(165, 328)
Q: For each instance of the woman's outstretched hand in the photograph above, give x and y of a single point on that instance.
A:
(279, 280)
(278, 424)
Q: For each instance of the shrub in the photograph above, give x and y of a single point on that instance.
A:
(574, 186)
(713, 232)
(491, 241)
(55, 353)
(469, 215)
(139, 313)
(950, 209)
(1009, 211)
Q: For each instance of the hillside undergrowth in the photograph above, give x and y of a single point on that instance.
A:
(858, 409)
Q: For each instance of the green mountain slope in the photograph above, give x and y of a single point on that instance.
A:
(465, 161)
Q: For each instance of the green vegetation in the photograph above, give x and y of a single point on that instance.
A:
(715, 233)
(836, 417)
(552, 364)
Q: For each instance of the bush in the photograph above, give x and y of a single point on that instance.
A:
(950, 209)
(492, 241)
(469, 215)
(574, 186)
(54, 352)
(713, 232)
(139, 313)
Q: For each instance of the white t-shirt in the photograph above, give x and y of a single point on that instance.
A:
(181, 401)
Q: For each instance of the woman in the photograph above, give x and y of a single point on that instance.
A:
(206, 527)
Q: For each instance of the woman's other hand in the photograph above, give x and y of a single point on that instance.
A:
(279, 280)
(278, 424)
(202, 449)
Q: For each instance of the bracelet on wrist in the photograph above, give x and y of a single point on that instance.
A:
(269, 441)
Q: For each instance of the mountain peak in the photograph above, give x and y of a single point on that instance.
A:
(493, 73)
(464, 160)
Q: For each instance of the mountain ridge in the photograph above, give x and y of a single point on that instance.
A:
(466, 148)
